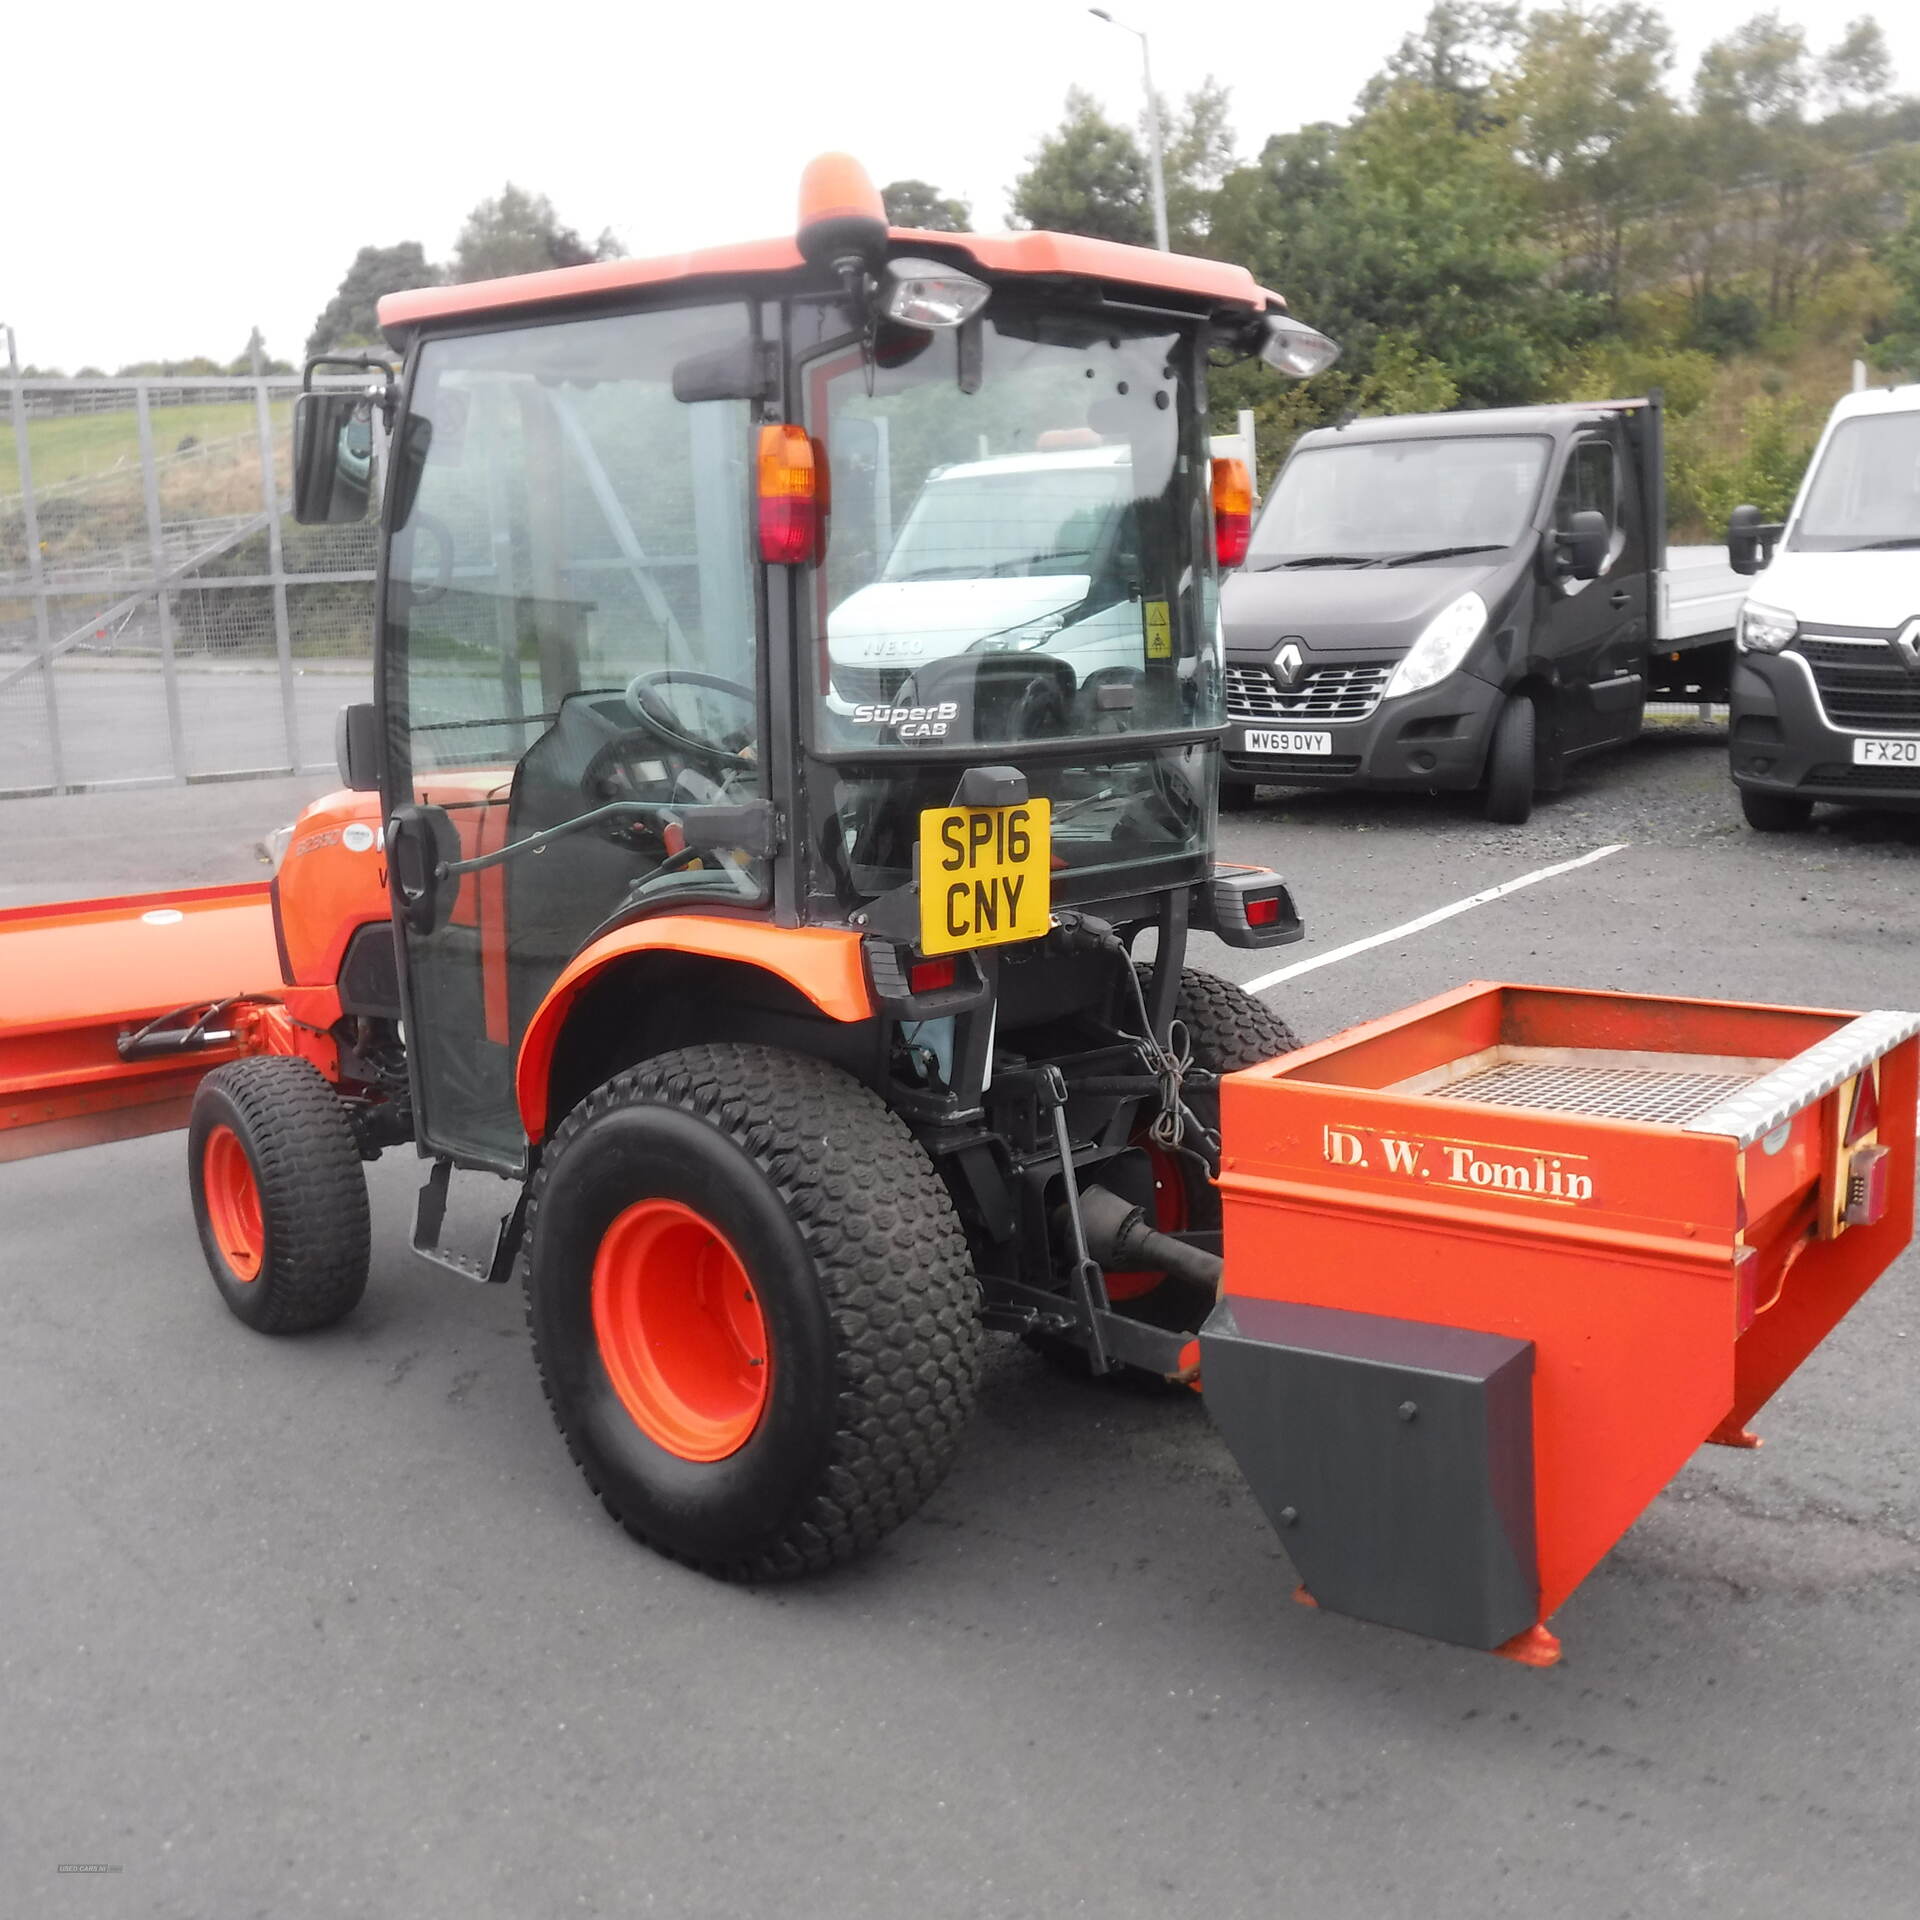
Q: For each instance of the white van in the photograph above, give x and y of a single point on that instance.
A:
(1012, 554)
(1825, 698)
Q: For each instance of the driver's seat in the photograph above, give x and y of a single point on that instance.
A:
(555, 898)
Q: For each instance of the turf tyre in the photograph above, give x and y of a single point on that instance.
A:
(862, 1278)
(312, 1240)
(1227, 1029)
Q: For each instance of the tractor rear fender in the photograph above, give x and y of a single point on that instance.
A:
(683, 978)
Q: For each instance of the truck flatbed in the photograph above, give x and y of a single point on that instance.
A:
(1701, 597)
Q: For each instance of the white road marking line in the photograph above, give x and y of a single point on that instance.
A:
(1432, 919)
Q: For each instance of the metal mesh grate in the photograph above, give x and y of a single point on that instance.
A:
(1613, 1093)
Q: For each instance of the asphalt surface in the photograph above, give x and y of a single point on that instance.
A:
(331, 1626)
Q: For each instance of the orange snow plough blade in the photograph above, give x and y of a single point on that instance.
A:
(78, 977)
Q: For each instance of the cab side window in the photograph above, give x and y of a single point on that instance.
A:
(1590, 484)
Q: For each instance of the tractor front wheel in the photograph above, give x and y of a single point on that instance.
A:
(753, 1309)
(279, 1194)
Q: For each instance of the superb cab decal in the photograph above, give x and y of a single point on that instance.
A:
(1473, 1165)
(910, 723)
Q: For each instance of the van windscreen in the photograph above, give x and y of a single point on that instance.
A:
(1865, 492)
(1366, 500)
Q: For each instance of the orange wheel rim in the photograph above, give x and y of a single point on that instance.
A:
(233, 1203)
(680, 1331)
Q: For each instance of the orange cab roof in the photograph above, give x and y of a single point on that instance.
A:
(1074, 255)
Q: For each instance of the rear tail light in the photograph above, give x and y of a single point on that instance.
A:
(792, 494)
(1247, 907)
(1232, 511)
(929, 976)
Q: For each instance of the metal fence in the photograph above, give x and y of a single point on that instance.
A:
(162, 616)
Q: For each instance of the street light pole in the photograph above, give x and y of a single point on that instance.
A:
(13, 357)
(1153, 128)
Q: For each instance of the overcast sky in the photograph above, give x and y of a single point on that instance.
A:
(160, 203)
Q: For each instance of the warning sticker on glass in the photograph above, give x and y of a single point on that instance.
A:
(1159, 631)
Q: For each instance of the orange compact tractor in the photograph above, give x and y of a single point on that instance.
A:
(798, 700)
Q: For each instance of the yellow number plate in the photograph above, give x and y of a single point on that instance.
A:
(985, 875)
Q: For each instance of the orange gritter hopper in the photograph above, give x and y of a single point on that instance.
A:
(1497, 1264)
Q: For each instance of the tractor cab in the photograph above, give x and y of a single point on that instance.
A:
(715, 590)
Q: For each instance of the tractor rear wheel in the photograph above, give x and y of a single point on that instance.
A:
(279, 1194)
(753, 1309)
(1227, 1029)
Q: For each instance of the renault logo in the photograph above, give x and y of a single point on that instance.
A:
(1906, 643)
(1289, 660)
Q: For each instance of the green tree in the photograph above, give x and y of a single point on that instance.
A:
(1197, 153)
(914, 203)
(195, 368)
(1404, 225)
(1459, 49)
(254, 360)
(1898, 348)
(1087, 176)
(349, 318)
(1586, 111)
(519, 232)
(1757, 78)
(1857, 70)
(1791, 201)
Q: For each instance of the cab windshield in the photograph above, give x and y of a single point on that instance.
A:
(1378, 502)
(1019, 537)
(1866, 490)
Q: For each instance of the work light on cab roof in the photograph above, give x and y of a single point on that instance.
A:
(843, 224)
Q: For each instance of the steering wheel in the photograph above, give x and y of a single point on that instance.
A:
(644, 692)
(437, 531)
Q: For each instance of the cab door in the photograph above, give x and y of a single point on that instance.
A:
(1594, 632)
(570, 670)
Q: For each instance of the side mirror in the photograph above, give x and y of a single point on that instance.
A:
(332, 459)
(740, 370)
(356, 746)
(1580, 550)
(1750, 540)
